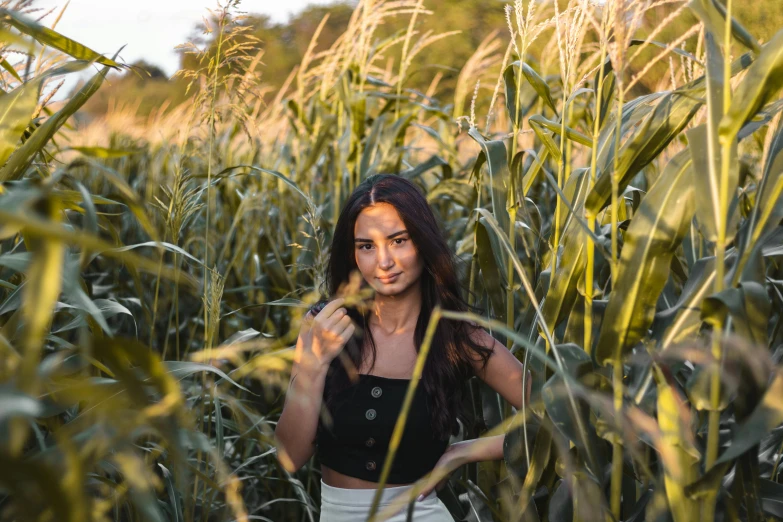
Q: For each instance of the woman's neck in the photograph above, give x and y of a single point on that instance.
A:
(396, 314)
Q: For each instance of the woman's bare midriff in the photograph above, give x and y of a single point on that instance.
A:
(338, 480)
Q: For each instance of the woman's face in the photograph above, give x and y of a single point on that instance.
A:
(385, 254)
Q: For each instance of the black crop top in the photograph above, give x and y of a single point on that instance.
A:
(364, 415)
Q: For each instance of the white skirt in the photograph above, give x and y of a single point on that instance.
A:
(353, 505)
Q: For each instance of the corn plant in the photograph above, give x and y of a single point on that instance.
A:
(625, 245)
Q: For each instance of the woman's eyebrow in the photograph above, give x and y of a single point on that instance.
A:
(390, 236)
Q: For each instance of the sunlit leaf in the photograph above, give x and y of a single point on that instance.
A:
(651, 240)
(182, 369)
(766, 416)
(54, 39)
(762, 82)
(22, 156)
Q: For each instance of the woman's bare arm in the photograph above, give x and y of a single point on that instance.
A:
(321, 339)
(506, 375)
(297, 426)
(503, 372)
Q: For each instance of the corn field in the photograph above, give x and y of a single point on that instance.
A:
(625, 245)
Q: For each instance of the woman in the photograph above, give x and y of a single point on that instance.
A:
(388, 232)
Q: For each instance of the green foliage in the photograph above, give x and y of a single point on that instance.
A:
(621, 231)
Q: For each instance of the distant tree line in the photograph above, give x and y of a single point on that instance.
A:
(284, 44)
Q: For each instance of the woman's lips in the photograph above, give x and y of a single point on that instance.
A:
(389, 279)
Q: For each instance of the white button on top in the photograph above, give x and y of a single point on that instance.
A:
(376, 392)
(370, 414)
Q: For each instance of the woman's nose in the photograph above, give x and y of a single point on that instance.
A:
(385, 259)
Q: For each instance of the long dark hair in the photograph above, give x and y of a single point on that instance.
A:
(453, 351)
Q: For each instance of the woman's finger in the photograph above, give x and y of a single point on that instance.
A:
(330, 308)
(334, 331)
(347, 333)
(329, 323)
(342, 324)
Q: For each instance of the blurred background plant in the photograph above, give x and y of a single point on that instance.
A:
(608, 173)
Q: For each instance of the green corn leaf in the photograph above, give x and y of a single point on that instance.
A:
(182, 369)
(516, 443)
(490, 260)
(36, 227)
(433, 162)
(482, 509)
(521, 98)
(41, 291)
(16, 111)
(497, 168)
(683, 318)
(542, 448)
(538, 163)
(655, 232)
(18, 262)
(713, 15)
(288, 181)
(140, 488)
(670, 116)
(571, 134)
(663, 45)
(771, 494)
(546, 138)
(681, 466)
(7, 66)
(46, 482)
(571, 263)
(319, 144)
(460, 191)
(708, 484)
(14, 403)
(561, 507)
(17, 40)
(769, 210)
(219, 427)
(300, 116)
(22, 157)
(573, 200)
(129, 196)
(175, 498)
(767, 416)
(708, 211)
(563, 292)
(762, 82)
(54, 39)
(539, 84)
(706, 151)
(577, 362)
(632, 117)
(162, 245)
(748, 305)
(607, 93)
(44, 279)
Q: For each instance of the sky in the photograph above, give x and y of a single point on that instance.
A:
(149, 29)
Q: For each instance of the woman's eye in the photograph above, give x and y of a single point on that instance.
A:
(400, 241)
(361, 247)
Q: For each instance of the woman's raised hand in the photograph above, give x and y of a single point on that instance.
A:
(323, 337)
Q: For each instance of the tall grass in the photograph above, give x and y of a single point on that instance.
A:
(626, 246)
